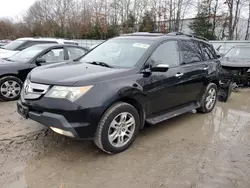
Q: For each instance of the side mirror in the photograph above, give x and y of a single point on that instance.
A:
(159, 68)
(20, 49)
(40, 61)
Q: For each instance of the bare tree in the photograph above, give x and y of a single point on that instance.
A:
(214, 10)
(234, 10)
(248, 23)
(86, 18)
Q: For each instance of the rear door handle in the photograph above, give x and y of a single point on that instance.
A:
(179, 74)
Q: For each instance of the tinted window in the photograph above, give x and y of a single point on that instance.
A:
(166, 53)
(75, 52)
(208, 51)
(54, 55)
(191, 52)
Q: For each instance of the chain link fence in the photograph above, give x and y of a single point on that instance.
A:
(88, 43)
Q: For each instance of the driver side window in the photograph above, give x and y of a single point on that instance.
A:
(54, 55)
(167, 53)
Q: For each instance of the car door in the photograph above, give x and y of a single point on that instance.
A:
(164, 89)
(194, 69)
(23, 70)
(75, 52)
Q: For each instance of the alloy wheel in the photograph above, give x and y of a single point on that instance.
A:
(10, 89)
(211, 98)
(121, 129)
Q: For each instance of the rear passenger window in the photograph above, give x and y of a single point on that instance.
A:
(208, 51)
(191, 52)
(166, 53)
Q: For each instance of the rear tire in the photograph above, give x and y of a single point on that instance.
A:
(10, 88)
(117, 128)
(209, 98)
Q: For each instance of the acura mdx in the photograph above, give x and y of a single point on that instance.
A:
(109, 93)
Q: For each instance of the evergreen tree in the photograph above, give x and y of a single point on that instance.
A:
(147, 24)
(129, 24)
(202, 25)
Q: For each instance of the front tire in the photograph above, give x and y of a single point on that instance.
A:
(10, 88)
(117, 128)
(209, 98)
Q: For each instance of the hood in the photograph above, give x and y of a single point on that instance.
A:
(233, 62)
(4, 62)
(7, 67)
(6, 53)
(74, 73)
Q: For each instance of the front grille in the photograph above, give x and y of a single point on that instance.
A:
(33, 90)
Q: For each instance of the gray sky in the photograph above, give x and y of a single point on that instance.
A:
(13, 8)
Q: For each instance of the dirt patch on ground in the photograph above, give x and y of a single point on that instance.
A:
(190, 151)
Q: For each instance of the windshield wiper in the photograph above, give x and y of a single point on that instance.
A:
(100, 63)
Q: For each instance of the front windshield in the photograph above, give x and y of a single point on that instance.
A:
(239, 53)
(27, 54)
(14, 45)
(118, 52)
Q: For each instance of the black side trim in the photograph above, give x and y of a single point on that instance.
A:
(157, 119)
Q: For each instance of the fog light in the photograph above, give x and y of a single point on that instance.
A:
(62, 132)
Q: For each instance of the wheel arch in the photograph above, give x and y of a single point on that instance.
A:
(138, 106)
(138, 101)
(11, 74)
(215, 82)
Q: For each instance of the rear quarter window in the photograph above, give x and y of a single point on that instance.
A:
(208, 51)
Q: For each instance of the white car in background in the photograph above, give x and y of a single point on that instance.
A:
(23, 43)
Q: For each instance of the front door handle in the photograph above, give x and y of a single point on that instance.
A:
(205, 68)
(179, 74)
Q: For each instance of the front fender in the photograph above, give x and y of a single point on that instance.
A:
(126, 93)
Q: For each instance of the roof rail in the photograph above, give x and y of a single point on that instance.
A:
(149, 34)
(192, 36)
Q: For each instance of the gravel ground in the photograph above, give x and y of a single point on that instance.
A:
(189, 151)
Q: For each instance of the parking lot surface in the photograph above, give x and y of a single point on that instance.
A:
(189, 151)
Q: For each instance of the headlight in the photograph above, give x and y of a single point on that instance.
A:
(26, 82)
(70, 93)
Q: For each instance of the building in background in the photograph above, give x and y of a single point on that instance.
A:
(221, 29)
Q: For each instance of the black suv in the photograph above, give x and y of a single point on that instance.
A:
(109, 94)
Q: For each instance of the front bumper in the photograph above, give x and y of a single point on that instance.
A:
(67, 117)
